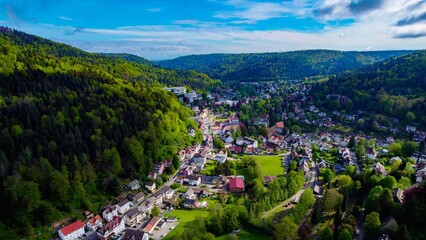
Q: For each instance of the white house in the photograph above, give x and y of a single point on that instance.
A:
(176, 90)
(72, 231)
(199, 159)
(146, 206)
(410, 128)
(123, 206)
(421, 175)
(94, 223)
(194, 180)
(133, 185)
(134, 217)
(115, 226)
(109, 213)
(370, 153)
(251, 143)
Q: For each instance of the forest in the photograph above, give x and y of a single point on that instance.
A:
(395, 87)
(277, 66)
(75, 126)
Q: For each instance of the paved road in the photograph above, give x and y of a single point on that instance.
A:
(295, 196)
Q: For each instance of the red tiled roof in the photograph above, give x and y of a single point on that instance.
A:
(236, 183)
(72, 227)
(93, 219)
(279, 125)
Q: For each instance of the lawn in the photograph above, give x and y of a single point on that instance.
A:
(270, 165)
(246, 235)
(185, 216)
(209, 170)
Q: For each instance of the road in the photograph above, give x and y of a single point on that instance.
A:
(311, 184)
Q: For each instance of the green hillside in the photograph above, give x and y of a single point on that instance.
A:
(275, 66)
(394, 87)
(74, 128)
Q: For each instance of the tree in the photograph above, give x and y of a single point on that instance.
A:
(155, 212)
(286, 229)
(349, 106)
(360, 151)
(374, 126)
(408, 148)
(218, 143)
(344, 234)
(296, 129)
(326, 174)
(326, 234)
(332, 199)
(388, 182)
(410, 117)
(372, 225)
(351, 143)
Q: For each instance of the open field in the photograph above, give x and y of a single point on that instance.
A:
(270, 165)
(246, 235)
(185, 216)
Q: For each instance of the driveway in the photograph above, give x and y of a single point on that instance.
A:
(159, 234)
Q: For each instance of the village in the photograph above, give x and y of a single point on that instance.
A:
(211, 171)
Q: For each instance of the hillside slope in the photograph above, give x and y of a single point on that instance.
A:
(395, 87)
(109, 64)
(74, 129)
(275, 66)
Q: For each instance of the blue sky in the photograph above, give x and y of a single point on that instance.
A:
(161, 29)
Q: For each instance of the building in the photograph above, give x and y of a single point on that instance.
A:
(370, 153)
(115, 226)
(72, 231)
(134, 217)
(133, 185)
(176, 90)
(199, 159)
(279, 127)
(380, 169)
(109, 213)
(158, 168)
(150, 226)
(123, 206)
(236, 185)
(194, 180)
(190, 203)
(135, 235)
(250, 143)
(146, 206)
(94, 223)
(139, 197)
(150, 186)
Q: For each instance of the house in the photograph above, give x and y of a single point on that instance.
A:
(318, 190)
(221, 157)
(146, 206)
(132, 234)
(392, 160)
(115, 226)
(94, 223)
(162, 194)
(176, 90)
(279, 127)
(199, 159)
(370, 153)
(189, 194)
(123, 206)
(152, 176)
(133, 185)
(72, 231)
(149, 227)
(419, 157)
(268, 179)
(410, 128)
(190, 203)
(188, 170)
(138, 198)
(398, 195)
(109, 213)
(390, 139)
(236, 185)
(88, 214)
(380, 169)
(134, 217)
(194, 180)
(227, 138)
(150, 186)
(158, 168)
(421, 175)
(249, 142)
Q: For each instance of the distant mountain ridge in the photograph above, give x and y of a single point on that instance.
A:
(278, 65)
(129, 57)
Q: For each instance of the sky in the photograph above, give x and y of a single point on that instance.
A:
(164, 29)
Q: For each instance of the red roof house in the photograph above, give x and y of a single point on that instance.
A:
(72, 231)
(236, 185)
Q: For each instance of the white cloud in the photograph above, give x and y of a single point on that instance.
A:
(65, 18)
(153, 10)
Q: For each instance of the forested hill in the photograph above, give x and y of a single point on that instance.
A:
(124, 66)
(129, 57)
(274, 66)
(73, 130)
(395, 87)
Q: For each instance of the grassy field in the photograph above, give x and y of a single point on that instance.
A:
(270, 165)
(246, 235)
(185, 216)
(209, 170)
